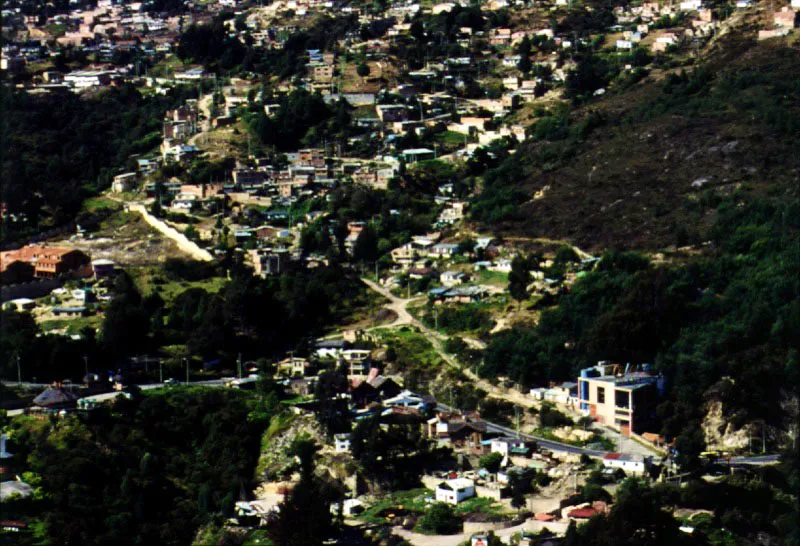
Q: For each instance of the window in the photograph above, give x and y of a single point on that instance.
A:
(601, 395)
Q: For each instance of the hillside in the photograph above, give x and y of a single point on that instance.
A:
(644, 168)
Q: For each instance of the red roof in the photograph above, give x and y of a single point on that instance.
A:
(13, 523)
(582, 513)
(541, 516)
(612, 456)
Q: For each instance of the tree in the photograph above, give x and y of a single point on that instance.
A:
(363, 70)
(524, 65)
(440, 519)
(366, 246)
(518, 279)
(491, 462)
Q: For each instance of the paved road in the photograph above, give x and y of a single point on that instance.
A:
(756, 460)
(102, 397)
(543, 442)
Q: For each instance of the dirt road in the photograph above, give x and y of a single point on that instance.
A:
(404, 318)
(180, 239)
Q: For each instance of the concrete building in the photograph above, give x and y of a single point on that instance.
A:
(625, 401)
(341, 443)
(455, 491)
(632, 464)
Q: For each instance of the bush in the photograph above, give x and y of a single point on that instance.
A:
(491, 462)
(549, 417)
(439, 520)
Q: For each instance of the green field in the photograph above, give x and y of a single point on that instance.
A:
(152, 278)
(493, 278)
(73, 325)
(99, 203)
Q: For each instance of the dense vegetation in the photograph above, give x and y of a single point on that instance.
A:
(731, 315)
(60, 149)
(149, 470)
(249, 317)
(211, 45)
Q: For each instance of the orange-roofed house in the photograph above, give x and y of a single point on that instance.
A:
(48, 262)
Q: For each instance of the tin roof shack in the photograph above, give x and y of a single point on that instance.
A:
(56, 397)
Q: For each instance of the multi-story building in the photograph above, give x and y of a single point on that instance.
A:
(625, 401)
(47, 261)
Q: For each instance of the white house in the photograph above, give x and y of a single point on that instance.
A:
(352, 507)
(505, 446)
(455, 491)
(341, 443)
(443, 250)
(632, 464)
(452, 278)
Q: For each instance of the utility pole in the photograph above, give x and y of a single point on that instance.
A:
(376, 271)
(86, 366)
(19, 372)
(436, 319)
(160, 372)
(239, 365)
(763, 437)
(186, 361)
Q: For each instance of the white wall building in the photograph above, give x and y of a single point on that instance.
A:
(455, 491)
(632, 464)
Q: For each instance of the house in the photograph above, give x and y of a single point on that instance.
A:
(352, 507)
(625, 401)
(21, 304)
(294, 367)
(632, 464)
(454, 491)
(404, 399)
(11, 526)
(452, 278)
(459, 294)
(509, 446)
(81, 79)
(404, 255)
(566, 393)
(123, 182)
(330, 348)
(785, 18)
(103, 268)
(341, 443)
(270, 261)
(55, 397)
(14, 488)
(388, 113)
(247, 177)
(582, 513)
(507, 475)
(443, 250)
(458, 430)
(47, 261)
(417, 154)
(376, 388)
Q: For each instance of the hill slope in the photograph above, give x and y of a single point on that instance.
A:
(645, 168)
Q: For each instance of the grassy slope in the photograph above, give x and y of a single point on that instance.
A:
(629, 183)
